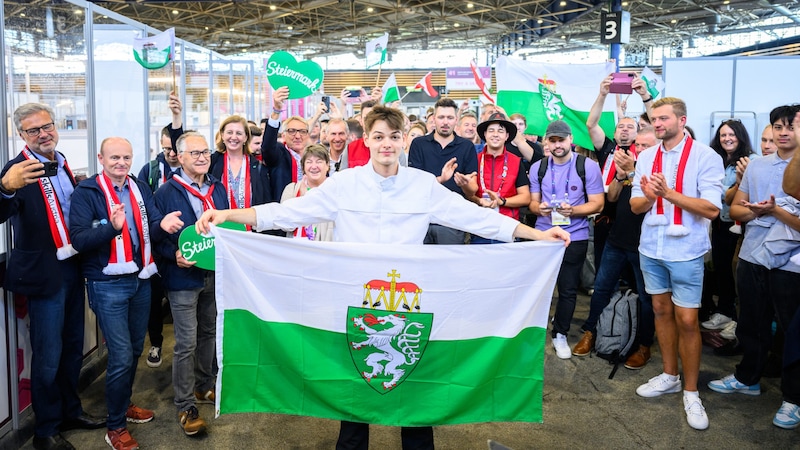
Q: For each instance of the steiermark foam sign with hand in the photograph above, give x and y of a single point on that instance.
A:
(303, 78)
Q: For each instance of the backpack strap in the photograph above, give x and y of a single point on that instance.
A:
(580, 167)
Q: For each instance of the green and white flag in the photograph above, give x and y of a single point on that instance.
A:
(655, 84)
(154, 52)
(403, 335)
(376, 51)
(548, 92)
(390, 91)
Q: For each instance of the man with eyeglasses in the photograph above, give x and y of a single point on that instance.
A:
(41, 266)
(155, 173)
(283, 160)
(190, 290)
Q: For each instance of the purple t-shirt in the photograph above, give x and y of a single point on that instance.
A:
(563, 179)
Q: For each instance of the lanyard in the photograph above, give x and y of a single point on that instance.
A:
(502, 176)
(553, 177)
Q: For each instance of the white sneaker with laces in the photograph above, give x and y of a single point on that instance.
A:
(729, 332)
(659, 385)
(788, 416)
(561, 346)
(716, 322)
(695, 413)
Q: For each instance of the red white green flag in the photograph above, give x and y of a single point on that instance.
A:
(154, 52)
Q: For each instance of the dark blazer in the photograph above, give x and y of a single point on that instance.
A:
(259, 178)
(32, 267)
(277, 158)
(170, 197)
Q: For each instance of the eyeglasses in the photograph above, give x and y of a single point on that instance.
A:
(169, 150)
(293, 131)
(724, 121)
(33, 132)
(196, 154)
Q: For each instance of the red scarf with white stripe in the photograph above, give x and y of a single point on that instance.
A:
(121, 262)
(244, 184)
(657, 217)
(208, 200)
(56, 220)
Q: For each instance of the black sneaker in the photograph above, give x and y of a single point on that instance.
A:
(154, 357)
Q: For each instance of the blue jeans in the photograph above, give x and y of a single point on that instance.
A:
(608, 273)
(56, 332)
(194, 318)
(122, 306)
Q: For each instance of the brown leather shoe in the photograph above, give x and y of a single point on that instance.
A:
(585, 345)
(639, 358)
(191, 422)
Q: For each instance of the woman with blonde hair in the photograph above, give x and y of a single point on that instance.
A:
(245, 179)
(316, 165)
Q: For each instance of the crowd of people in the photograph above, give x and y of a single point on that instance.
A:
(660, 208)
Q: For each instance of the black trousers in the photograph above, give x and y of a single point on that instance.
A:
(355, 436)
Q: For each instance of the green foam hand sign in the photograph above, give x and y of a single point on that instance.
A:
(303, 78)
(199, 248)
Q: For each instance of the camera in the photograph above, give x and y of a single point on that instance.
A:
(50, 169)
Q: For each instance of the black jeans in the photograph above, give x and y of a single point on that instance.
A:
(355, 436)
(569, 277)
(763, 295)
(723, 246)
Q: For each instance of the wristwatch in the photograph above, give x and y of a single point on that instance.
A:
(631, 174)
(503, 199)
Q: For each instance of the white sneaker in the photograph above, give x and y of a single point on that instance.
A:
(788, 416)
(561, 346)
(695, 413)
(729, 332)
(716, 322)
(659, 385)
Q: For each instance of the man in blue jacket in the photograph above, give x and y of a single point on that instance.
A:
(114, 220)
(190, 290)
(42, 266)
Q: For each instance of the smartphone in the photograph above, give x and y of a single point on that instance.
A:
(355, 91)
(327, 100)
(50, 169)
(621, 83)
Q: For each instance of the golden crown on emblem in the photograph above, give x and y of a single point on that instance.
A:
(392, 295)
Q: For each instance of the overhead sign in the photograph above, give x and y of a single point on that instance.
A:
(461, 78)
(615, 27)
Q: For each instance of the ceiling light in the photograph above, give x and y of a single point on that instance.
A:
(227, 42)
(231, 29)
(563, 3)
(726, 2)
(175, 12)
(624, 3)
(456, 24)
(272, 7)
(370, 9)
(22, 15)
(290, 27)
(540, 21)
(470, 5)
(563, 36)
(673, 21)
(78, 11)
(300, 41)
(206, 28)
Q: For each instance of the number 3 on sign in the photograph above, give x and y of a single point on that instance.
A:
(611, 29)
(616, 27)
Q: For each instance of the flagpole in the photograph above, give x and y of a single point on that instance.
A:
(378, 80)
(174, 78)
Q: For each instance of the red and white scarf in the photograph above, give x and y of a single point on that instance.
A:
(121, 262)
(297, 169)
(208, 200)
(310, 231)
(656, 216)
(56, 220)
(610, 169)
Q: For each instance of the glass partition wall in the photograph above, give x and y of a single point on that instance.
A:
(77, 58)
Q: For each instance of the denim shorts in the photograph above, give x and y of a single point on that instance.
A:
(683, 278)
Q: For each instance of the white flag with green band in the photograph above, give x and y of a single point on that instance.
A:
(406, 335)
(547, 92)
(390, 91)
(375, 53)
(655, 84)
(154, 52)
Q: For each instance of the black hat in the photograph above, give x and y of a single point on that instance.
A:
(558, 128)
(500, 118)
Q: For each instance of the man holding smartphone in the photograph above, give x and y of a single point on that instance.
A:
(42, 266)
(562, 197)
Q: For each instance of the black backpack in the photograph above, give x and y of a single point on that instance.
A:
(616, 329)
